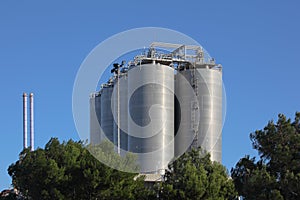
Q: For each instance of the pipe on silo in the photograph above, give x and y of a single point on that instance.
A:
(24, 120)
(31, 122)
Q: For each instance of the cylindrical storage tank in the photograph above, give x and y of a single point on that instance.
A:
(151, 115)
(95, 118)
(210, 127)
(207, 84)
(185, 132)
(106, 112)
(123, 111)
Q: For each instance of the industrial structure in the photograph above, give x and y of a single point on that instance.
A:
(25, 121)
(167, 100)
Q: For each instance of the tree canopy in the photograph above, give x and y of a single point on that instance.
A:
(68, 171)
(195, 176)
(276, 175)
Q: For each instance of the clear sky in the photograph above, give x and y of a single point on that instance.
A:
(42, 45)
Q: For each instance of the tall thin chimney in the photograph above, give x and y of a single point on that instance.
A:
(31, 123)
(24, 120)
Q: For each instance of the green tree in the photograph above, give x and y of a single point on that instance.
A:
(276, 175)
(10, 196)
(105, 153)
(195, 176)
(68, 171)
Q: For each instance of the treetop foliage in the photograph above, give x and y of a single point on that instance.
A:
(276, 175)
(68, 171)
(195, 176)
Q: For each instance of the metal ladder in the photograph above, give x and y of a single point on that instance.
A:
(194, 108)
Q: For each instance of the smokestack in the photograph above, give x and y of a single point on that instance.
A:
(31, 123)
(24, 120)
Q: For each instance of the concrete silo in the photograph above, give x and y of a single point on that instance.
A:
(207, 130)
(123, 111)
(95, 118)
(106, 111)
(166, 102)
(151, 115)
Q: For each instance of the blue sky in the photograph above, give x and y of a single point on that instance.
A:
(42, 45)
